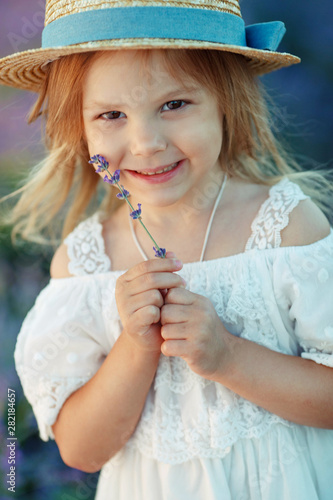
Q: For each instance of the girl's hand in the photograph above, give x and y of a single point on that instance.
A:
(192, 330)
(139, 297)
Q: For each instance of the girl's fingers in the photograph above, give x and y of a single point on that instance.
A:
(179, 296)
(178, 331)
(152, 266)
(150, 297)
(170, 255)
(174, 313)
(142, 319)
(148, 315)
(174, 348)
(155, 280)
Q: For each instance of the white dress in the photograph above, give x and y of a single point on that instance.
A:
(196, 440)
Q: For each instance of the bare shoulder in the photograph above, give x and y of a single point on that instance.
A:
(59, 263)
(307, 224)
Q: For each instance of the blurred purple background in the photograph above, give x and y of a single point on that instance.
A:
(303, 94)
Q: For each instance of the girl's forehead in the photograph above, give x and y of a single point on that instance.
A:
(140, 64)
(133, 69)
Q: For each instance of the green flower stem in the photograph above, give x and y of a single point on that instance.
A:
(133, 209)
(144, 227)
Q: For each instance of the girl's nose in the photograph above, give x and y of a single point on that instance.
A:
(146, 139)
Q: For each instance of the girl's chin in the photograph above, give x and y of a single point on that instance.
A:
(162, 202)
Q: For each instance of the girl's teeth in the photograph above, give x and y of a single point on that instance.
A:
(161, 171)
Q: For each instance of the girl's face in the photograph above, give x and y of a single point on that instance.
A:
(164, 138)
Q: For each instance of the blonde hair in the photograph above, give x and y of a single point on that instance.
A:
(64, 186)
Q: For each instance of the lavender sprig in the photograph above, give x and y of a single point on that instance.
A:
(103, 166)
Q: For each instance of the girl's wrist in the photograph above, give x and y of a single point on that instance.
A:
(227, 367)
(139, 351)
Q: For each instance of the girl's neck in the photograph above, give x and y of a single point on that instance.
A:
(182, 224)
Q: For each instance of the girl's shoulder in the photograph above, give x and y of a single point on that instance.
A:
(96, 242)
(82, 252)
(307, 225)
(303, 223)
(278, 216)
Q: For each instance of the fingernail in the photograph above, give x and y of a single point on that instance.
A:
(184, 282)
(178, 262)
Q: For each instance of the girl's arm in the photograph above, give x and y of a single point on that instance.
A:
(97, 420)
(294, 388)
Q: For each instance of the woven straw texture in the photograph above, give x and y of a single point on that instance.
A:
(55, 9)
(26, 70)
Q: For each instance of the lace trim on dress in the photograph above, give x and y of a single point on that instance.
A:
(273, 215)
(47, 395)
(320, 358)
(86, 249)
(168, 433)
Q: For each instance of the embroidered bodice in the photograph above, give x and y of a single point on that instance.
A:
(272, 295)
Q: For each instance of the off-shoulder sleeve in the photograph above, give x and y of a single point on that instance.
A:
(308, 287)
(61, 345)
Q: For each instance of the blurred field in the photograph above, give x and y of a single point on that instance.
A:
(303, 95)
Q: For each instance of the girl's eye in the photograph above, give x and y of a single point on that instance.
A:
(173, 105)
(112, 115)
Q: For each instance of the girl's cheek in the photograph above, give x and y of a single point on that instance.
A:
(95, 138)
(101, 142)
(96, 135)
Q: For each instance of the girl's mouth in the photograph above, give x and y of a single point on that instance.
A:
(162, 175)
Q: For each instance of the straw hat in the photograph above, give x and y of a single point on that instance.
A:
(73, 26)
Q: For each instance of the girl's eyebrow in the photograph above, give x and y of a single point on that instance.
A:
(109, 105)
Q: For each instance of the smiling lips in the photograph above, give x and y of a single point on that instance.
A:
(158, 174)
(161, 171)
(158, 170)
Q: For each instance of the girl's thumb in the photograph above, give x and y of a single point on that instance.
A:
(170, 255)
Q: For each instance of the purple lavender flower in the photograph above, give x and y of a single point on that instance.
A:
(123, 194)
(107, 179)
(101, 161)
(136, 214)
(161, 252)
(93, 159)
(113, 179)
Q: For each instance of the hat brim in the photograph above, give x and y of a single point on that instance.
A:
(26, 70)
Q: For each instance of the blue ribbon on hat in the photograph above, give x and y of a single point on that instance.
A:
(161, 22)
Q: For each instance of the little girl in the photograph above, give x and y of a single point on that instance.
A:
(206, 374)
